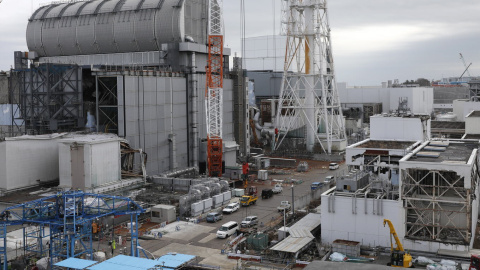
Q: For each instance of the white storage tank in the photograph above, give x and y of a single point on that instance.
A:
(207, 205)
(28, 161)
(89, 161)
(196, 208)
(217, 200)
(239, 192)
(163, 213)
(263, 175)
(226, 197)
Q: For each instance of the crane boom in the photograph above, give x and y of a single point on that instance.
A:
(214, 88)
(465, 65)
(394, 234)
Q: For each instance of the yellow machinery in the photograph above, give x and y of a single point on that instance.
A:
(250, 197)
(398, 256)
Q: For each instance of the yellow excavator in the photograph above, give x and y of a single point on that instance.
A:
(398, 256)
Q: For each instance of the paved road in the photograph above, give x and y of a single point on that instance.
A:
(266, 209)
(200, 239)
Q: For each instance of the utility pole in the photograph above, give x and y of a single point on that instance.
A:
(293, 200)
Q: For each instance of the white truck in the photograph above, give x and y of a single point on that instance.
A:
(277, 189)
(284, 206)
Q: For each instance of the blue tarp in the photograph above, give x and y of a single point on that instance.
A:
(174, 260)
(122, 262)
(75, 263)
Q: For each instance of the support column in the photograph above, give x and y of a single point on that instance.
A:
(309, 78)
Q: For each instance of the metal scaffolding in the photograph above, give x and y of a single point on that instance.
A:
(309, 99)
(69, 216)
(107, 103)
(49, 98)
(438, 205)
(474, 90)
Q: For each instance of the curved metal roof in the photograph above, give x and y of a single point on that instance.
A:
(114, 26)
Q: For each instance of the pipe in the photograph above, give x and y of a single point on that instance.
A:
(366, 198)
(265, 132)
(330, 202)
(176, 173)
(333, 202)
(257, 124)
(354, 204)
(194, 111)
(189, 39)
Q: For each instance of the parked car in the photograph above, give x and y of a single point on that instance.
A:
(277, 189)
(249, 221)
(333, 166)
(329, 179)
(284, 206)
(214, 217)
(267, 193)
(227, 229)
(230, 208)
(316, 185)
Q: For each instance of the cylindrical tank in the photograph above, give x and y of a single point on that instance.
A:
(114, 26)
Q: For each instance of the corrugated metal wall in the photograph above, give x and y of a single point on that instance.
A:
(114, 26)
(145, 116)
(28, 160)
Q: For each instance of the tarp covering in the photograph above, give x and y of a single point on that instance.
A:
(75, 263)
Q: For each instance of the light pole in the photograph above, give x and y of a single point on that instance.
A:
(293, 201)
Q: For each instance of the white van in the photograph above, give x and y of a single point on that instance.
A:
(227, 229)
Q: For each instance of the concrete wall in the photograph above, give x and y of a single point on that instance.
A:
(266, 83)
(462, 107)
(366, 228)
(420, 99)
(472, 125)
(399, 128)
(303, 201)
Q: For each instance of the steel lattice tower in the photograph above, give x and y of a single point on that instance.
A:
(309, 106)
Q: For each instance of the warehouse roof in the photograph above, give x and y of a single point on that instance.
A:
(300, 234)
(122, 262)
(175, 260)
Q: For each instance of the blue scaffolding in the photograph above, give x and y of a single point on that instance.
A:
(69, 216)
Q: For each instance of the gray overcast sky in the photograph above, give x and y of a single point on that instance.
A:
(373, 40)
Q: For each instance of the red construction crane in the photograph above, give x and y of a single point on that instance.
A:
(214, 88)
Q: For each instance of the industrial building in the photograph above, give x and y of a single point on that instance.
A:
(436, 200)
(147, 88)
(106, 126)
(423, 184)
